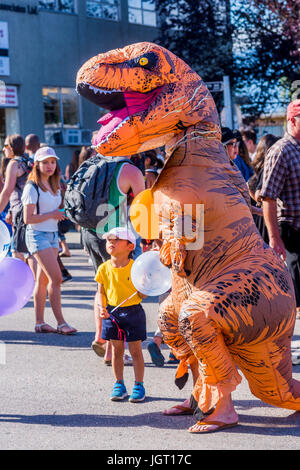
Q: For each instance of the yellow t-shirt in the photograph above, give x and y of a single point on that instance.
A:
(117, 284)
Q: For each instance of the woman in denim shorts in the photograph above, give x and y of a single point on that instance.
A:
(41, 200)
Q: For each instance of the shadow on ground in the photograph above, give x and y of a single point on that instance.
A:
(248, 424)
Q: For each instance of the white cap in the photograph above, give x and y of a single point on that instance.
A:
(43, 153)
(121, 232)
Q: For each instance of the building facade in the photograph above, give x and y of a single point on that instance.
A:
(42, 46)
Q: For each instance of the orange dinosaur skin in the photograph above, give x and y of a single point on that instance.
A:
(232, 302)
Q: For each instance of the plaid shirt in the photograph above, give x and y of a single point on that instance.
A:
(282, 179)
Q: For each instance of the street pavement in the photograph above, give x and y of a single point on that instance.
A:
(55, 390)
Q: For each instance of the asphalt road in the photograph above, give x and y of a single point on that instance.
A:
(55, 391)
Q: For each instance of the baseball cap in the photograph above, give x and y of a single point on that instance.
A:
(121, 232)
(227, 135)
(293, 109)
(43, 153)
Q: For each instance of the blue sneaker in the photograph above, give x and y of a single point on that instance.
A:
(119, 391)
(138, 393)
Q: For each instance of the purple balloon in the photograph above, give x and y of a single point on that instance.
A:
(16, 285)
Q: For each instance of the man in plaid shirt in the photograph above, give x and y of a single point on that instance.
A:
(281, 196)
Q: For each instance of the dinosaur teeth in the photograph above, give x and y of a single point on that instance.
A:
(101, 91)
(104, 141)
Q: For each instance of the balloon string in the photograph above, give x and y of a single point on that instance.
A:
(120, 331)
(123, 302)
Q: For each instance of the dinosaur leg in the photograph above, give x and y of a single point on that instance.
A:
(168, 324)
(268, 368)
(218, 374)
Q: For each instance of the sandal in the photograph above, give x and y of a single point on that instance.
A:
(99, 348)
(71, 331)
(220, 426)
(44, 328)
(179, 410)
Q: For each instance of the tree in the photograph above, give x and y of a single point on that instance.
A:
(255, 42)
(199, 32)
(267, 52)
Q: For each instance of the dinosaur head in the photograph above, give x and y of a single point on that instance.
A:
(150, 95)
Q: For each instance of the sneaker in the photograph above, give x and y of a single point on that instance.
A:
(66, 276)
(127, 359)
(172, 359)
(156, 356)
(138, 393)
(119, 391)
(295, 358)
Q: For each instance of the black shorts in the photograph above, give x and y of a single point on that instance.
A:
(96, 248)
(128, 323)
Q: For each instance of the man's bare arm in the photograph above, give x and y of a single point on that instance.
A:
(131, 178)
(270, 216)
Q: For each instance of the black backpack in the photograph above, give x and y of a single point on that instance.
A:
(88, 188)
(20, 226)
(27, 163)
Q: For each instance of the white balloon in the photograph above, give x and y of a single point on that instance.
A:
(4, 240)
(149, 275)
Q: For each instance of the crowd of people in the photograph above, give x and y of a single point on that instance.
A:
(32, 190)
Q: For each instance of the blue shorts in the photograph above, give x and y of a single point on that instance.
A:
(38, 241)
(127, 321)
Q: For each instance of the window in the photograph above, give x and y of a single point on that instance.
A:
(61, 113)
(142, 12)
(106, 9)
(59, 6)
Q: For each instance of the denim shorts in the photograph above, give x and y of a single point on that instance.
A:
(38, 241)
(127, 323)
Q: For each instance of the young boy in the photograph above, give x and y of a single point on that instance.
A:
(127, 321)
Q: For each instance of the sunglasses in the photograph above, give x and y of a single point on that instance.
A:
(234, 144)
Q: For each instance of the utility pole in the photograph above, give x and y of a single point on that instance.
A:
(227, 102)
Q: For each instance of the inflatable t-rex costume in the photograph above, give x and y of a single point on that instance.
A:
(232, 302)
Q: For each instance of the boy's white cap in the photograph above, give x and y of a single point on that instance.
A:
(121, 232)
(43, 153)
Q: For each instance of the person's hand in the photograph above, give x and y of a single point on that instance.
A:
(103, 313)
(8, 218)
(142, 296)
(278, 246)
(58, 215)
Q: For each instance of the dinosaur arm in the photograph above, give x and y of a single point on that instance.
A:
(177, 232)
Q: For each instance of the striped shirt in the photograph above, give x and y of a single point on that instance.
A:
(281, 179)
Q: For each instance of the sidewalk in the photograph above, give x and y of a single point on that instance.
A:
(55, 391)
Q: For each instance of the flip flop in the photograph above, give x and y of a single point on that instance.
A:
(220, 427)
(183, 410)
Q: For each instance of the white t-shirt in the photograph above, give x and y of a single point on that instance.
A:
(47, 203)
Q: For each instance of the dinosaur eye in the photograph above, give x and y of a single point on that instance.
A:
(143, 61)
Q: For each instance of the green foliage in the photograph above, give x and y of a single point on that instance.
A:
(266, 51)
(198, 32)
(255, 42)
